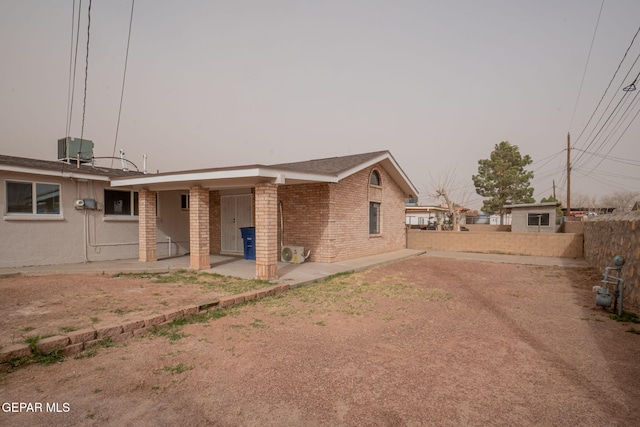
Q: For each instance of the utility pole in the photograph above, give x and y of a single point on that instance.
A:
(568, 174)
(554, 189)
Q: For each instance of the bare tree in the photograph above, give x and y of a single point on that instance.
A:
(622, 201)
(583, 201)
(453, 192)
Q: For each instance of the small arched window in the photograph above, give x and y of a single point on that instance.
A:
(374, 178)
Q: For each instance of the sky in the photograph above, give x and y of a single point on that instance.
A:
(437, 83)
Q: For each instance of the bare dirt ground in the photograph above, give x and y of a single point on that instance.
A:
(425, 341)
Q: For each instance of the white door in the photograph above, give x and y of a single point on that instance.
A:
(236, 211)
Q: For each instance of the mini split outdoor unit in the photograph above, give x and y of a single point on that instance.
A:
(292, 254)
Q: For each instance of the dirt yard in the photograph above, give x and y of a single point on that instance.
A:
(425, 341)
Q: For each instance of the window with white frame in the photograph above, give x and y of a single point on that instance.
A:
(117, 202)
(535, 219)
(36, 198)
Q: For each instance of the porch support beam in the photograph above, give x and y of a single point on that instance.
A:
(147, 226)
(199, 228)
(266, 200)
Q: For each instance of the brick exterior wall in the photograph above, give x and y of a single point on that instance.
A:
(147, 226)
(532, 244)
(215, 232)
(332, 220)
(305, 219)
(266, 223)
(616, 234)
(199, 228)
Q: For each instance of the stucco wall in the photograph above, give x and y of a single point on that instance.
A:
(82, 235)
(34, 240)
(616, 234)
(533, 244)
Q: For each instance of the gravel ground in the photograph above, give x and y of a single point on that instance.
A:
(425, 341)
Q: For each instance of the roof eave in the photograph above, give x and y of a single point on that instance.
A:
(66, 173)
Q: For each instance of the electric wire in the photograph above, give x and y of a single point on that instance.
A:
(73, 19)
(609, 128)
(124, 76)
(586, 65)
(608, 86)
(75, 67)
(614, 159)
(86, 73)
(577, 160)
(617, 140)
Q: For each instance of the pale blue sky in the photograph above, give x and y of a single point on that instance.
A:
(221, 83)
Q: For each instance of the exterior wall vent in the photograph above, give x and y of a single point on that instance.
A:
(68, 149)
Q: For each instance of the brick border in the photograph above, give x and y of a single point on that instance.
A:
(77, 341)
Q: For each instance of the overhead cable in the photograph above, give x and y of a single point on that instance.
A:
(124, 76)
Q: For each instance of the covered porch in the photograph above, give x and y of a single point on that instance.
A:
(204, 224)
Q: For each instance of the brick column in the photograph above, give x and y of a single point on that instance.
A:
(147, 226)
(266, 211)
(199, 228)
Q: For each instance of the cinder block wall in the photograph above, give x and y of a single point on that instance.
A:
(532, 244)
(616, 234)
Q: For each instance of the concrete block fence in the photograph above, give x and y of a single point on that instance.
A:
(78, 341)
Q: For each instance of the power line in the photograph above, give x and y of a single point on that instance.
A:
(86, 74)
(73, 19)
(586, 65)
(614, 159)
(609, 128)
(124, 75)
(608, 87)
(75, 66)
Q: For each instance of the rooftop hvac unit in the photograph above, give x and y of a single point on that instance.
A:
(68, 149)
(293, 254)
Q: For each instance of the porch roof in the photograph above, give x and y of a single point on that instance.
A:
(332, 169)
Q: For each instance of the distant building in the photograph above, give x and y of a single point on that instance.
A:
(533, 217)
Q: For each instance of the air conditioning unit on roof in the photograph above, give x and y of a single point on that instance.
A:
(292, 254)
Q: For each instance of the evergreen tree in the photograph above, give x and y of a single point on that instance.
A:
(503, 179)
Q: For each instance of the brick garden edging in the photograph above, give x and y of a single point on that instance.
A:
(77, 341)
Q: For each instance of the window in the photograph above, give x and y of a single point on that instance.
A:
(374, 218)
(120, 202)
(543, 218)
(374, 178)
(184, 202)
(33, 198)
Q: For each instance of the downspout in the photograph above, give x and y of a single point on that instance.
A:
(86, 236)
(281, 226)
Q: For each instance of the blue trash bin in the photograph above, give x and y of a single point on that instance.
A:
(249, 239)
